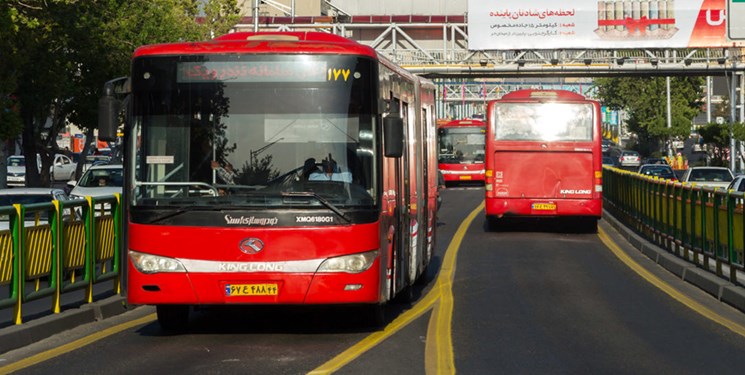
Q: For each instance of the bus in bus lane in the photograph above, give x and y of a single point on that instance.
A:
(280, 168)
(544, 157)
(461, 151)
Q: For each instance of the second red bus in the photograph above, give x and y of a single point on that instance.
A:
(461, 157)
(544, 157)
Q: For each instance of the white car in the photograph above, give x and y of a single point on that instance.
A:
(738, 184)
(716, 177)
(62, 169)
(98, 180)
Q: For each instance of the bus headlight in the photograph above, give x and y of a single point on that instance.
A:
(354, 263)
(148, 263)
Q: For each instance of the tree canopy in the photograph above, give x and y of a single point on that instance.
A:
(60, 53)
(644, 100)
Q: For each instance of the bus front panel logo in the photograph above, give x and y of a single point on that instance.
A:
(251, 245)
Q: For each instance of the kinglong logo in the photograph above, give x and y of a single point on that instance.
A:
(574, 192)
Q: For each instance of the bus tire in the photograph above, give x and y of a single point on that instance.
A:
(173, 318)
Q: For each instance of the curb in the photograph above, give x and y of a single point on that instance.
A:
(720, 288)
(25, 334)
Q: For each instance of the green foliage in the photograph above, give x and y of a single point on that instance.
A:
(645, 101)
(716, 137)
(57, 54)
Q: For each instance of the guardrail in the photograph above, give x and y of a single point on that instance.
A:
(58, 247)
(703, 225)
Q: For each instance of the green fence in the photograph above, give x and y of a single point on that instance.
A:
(701, 224)
(57, 247)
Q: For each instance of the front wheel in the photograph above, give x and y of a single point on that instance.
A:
(173, 318)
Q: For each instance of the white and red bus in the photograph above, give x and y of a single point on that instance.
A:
(461, 153)
(544, 157)
(274, 168)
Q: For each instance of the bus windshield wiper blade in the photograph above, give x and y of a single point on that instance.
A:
(321, 199)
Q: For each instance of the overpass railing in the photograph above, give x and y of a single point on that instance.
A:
(50, 249)
(703, 225)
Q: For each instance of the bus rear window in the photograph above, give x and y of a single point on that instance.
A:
(544, 121)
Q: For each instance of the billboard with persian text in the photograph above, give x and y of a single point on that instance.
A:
(612, 24)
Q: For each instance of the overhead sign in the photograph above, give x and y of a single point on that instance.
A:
(548, 24)
(736, 19)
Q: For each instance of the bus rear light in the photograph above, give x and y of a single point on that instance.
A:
(147, 263)
(354, 263)
(598, 188)
(488, 187)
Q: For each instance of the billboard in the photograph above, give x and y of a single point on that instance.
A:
(581, 24)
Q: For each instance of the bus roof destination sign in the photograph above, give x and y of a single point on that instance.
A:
(736, 19)
(252, 71)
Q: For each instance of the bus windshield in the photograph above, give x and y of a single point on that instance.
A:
(544, 121)
(253, 130)
(461, 144)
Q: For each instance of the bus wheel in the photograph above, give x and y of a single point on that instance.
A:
(173, 317)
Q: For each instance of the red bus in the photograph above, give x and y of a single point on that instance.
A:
(544, 157)
(274, 168)
(461, 156)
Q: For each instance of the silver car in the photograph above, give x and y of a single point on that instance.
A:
(62, 169)
(23, 196)
(99, 180)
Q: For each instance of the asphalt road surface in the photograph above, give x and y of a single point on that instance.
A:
(526, 298)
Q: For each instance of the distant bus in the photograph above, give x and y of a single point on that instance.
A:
(274, 168)
(461, 150)
(544, 157)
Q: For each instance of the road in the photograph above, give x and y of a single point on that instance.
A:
(526, 298)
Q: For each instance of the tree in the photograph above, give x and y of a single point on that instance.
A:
(644, 99)
(716, 138)
(10, 120)
(74, 46)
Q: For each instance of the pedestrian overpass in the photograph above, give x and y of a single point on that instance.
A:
(437, 47)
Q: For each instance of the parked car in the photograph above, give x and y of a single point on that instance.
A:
(23, 196)
(607, 145)
(654, 161)
(62, 169)
(98, 180)
(607, 160)
(738, 184)
(92, 160)
(629, 158)
(718, 177)
(658, 170)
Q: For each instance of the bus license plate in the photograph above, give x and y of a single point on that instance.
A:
(544, 206)
(251, 290)
(465, 177)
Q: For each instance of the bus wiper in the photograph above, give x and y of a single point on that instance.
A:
(321, 199)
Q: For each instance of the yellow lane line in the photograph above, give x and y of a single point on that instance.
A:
(680, 297)
(79, 343)
(376, 338)
(438, 351)
(440, 334)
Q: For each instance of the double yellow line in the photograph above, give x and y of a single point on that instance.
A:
(438, 353)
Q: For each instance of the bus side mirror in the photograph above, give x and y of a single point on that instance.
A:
(108, 117)
(109, 107)
(393, 136)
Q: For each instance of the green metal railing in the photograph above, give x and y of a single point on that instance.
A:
(57, 247)
(700, 224)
